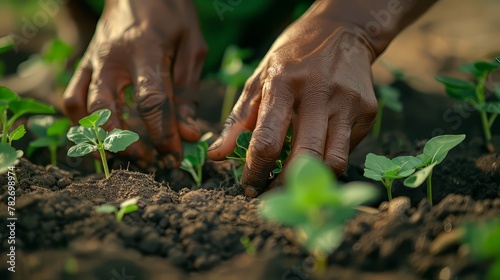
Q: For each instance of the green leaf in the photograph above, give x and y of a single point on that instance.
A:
(81, 149)
(59, 127)
(6, 43)
(243, 140)
(41, 142)
(130, 209)
(6, 96)
(106, 208)
(357, 193)
(322, 239)
(39, 124)
(436, 149)
(275, 205)
(390, 97)
(188, 163)
(58, 52)
(17, 133)
(129, 202)
(118, 140)
(461, 94)
(98, 118)
(8, 157)
(278, 168)
(378, 165)
(82, 134)
(490, 107)
(486, 67)
(415, 180)
(407, 162)
(456, 83)
(372, 174)
(470, 69)
(30, 106)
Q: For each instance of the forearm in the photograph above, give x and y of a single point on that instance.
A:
(379, 21)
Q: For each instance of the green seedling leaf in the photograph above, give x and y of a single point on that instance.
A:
(322, 239)
(129, 209)
(379, 167)
(243, 140)
(278, 168)
(455, 83)
(461, 94)
(470, 69)
(38, 125)
(490, 107)
(6, 43)
(390, 96)
(81, 149)
(118, 140)
(17, 133)
(29, 106)
(419, 177)
(98, 118)
(277, 206)
(6, 97)
(40, 143)
(8, 157)
(129, 202)
(357, 193)
(106, 208)
(81, 134)
(486, 67)
(58, 52)
(59, 127)
(436, 149)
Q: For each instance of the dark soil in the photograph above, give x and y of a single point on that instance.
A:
(184, 232)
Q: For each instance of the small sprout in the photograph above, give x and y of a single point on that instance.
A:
(234, 73)
(8, 157)
(388, 96)
(247, 243)
(90, 137)
(380, 168)
(482, 240)
(315, 205)
(56, 56)
(435, 151)
(11, 102)
(195, 155)
(127, 206)
(50, 133)
(475, 93)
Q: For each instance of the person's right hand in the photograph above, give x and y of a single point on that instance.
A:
(156, 46)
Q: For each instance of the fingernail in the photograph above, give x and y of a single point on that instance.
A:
(250, 191)
(169, 161)
(216, 144)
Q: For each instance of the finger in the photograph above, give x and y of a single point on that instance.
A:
(75, 96)
(338, 143)
(188, 65)
(275, 113)
(242, 118)
(155, 104)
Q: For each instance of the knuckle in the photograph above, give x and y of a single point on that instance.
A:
(72, 103)
(150, 102)
(265, 146)
(336, 162)
(313, 147)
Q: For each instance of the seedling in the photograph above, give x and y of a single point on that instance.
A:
(6, 44)
(195, 155)
(12, 107)
(50, 132)
(127, 206)
(380, 168)
(482, 241)
(388, 96)
(435, 151)
(315, 205)
(247, 244)
(90, 137)
(475, 93)
(56, 56)
(240, 153)
(234, 73)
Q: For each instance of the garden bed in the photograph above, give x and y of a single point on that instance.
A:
(179, 233)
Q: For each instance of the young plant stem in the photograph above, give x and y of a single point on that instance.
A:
(235, 174)
(429, 188)
(480, 96)
(388, 185)
(97, 166)
(321, 262)
(53, 153)
(102, 153)
(491, 120)
(228, 102)
(378, 122)
(5, 128)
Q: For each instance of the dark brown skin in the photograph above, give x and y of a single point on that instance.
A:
(156, 47)
(316, 77)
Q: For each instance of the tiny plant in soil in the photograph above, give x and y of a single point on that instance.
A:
(388, 96)
(12, 107)
(127, 206)
(56, 56)
(248, 245)
(482, 241)
(380, 168)
(475, 93)
(195, 155)
(240, 153)
(233, 73)
(50, 133)
(315, 205)
(90, 137)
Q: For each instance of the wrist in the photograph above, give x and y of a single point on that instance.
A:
(376, 21)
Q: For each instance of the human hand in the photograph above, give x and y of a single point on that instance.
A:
(307, 79)
(156, 46)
